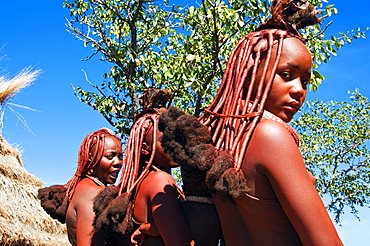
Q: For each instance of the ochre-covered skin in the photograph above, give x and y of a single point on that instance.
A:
(147, 183)
(194, 157)
(281, 205)
(160, 217)
(264, 85)
(80, 214)
(99, 162)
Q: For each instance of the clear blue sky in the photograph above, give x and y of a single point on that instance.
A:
(33, 34)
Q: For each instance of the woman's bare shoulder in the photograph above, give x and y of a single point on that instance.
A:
(158, 181)
(161, 176)
(272, 145)
(87, 189)
(272, 132)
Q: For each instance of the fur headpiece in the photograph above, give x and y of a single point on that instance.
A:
(291, 15)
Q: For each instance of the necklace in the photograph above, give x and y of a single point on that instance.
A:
(95, 180)
(271, 116)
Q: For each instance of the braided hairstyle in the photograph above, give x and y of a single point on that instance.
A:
(152, 101)
(89, 155)
(215, 157)
(55, 199)
(113, 206)
(245, 78)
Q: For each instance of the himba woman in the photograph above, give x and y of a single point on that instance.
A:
(99, 162)
(263, 193)
(147, 194)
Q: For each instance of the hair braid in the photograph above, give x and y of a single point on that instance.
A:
(133, 172)
(229, 118)
(113, 206)
(240, 100)
(238, 105)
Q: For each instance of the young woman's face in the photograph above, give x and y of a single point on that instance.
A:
(161, 159)
(110, 164)
(289, 88)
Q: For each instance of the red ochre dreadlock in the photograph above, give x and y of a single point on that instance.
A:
(152, 101)
(131, 175)
(228, 118)
(113, 206)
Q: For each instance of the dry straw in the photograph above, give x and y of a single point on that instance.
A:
(22, 219)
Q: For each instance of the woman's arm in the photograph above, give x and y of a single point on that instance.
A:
(160, 188)
(282, 163)
(146, 229)
(85, 233)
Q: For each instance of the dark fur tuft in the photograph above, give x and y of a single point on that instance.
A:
(54, 202)
(103, 199)
(223, 162)
(233, 182)
(113, 213)
(203, 156)
(154, 98)
(192, 131)
(291, 15)
(188, 142)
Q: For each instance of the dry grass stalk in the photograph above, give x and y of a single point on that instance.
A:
(7, 150)
(22, 219)
(10, 87)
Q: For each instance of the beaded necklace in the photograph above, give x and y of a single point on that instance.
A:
(95, 180)
(270, 116)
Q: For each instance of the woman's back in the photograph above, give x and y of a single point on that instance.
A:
(281, 191)
(81, 204)
(156, 201)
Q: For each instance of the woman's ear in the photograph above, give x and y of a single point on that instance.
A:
(145, 149)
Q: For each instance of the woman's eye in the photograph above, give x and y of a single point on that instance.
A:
(285, 75)
(110, 157)
(307, 81)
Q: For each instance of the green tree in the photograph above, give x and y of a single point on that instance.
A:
(184, 49)
(334, 144)
(181, 48)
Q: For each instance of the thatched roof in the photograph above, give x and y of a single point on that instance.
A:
(22, 219)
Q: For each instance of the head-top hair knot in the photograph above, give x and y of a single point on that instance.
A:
(291, 15)
(154, 99)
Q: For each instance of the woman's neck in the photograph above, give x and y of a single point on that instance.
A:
(95, 180)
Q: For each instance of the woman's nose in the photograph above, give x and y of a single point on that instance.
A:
(298, 88)
(118, 161)
(118, 165)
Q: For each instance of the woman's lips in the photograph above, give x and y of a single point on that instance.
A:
(113, 174)
(293, 107)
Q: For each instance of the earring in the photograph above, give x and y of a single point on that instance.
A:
(90, 172)
(144, 149)
(144, 152)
